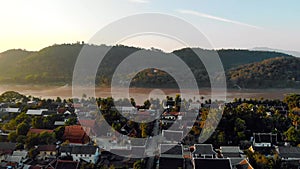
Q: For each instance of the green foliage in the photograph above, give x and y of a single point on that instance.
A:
(260, 161)
(71, 121)
(138, 164)
(22, 129)
(55, 64)
(282, 72)
(293, 135)
(12, 96)
(59, 132)
(292, 100)
(12, 136)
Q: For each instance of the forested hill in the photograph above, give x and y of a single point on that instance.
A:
(54, 65)
(272, 73)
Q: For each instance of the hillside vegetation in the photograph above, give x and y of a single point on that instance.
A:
(55, 64)
(271, 73)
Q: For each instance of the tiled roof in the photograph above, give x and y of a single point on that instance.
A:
(289, 152)
(173, 149)
(230, 149)
(246, 164)
(122, 152)
(79, 149)
(138, 151)
(47, 148)
(4, 146)
(35, 111)
(74, 133)
(265, 138)
(204, 163)
(12, 110)
(65, 164)
(204, 149)
(172, 135)
(87, 123)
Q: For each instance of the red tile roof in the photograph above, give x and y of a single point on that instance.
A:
(87, 123)
(75, 134)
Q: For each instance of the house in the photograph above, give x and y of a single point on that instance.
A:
(8, 111)
(88, 153)
(128, 110)
(108, 158)
(12, 110)
(138, 151)
(76, 134)
(59, 123)
(171, 156)
(46, 151)
(203, 151)
(121, 151)
(172, 136)
(240, 163)
(63, 164)
(231, 151)
(216, 163)
(88, 125)
(17, 158)
(7, 147)
(138, 141)
(290, 156)
(264, 142)
(36, 112)
(49, 113)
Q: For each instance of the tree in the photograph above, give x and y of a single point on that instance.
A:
(292, 100)
(147, 104)
(12, 136)
(22, 129)
(32, 153)
(71, 121)
(59, 132)
(21, 139)
(58, 100)
(240, 125)
(32, 140)
(23, 117)
(37, 122)
(47, 138)
(138, 164)
(292, 135)
(177, 102)
(143, 128)
(132, 101)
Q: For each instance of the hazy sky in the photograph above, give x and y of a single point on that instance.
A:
(34, 24)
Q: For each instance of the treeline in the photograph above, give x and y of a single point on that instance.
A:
(281, 72)
(55, 65)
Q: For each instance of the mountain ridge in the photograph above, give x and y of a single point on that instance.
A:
(54, 64)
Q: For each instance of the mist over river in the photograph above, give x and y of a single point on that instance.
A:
(141, 94)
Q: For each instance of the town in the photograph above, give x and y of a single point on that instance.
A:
(106, 133)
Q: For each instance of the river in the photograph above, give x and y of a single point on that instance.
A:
(141, 94)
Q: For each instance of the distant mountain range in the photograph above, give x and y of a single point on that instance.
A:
(293, 53)
(54, 65)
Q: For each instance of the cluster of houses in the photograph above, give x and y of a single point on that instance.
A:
(82, 146)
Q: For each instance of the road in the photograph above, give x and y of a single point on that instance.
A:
(153, 146)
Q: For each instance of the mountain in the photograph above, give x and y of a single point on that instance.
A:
(55, 64)
(293, 53)
(281, 72)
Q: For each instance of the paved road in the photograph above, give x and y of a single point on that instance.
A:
(152, 146)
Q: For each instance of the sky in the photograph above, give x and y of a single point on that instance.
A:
(35, 24)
